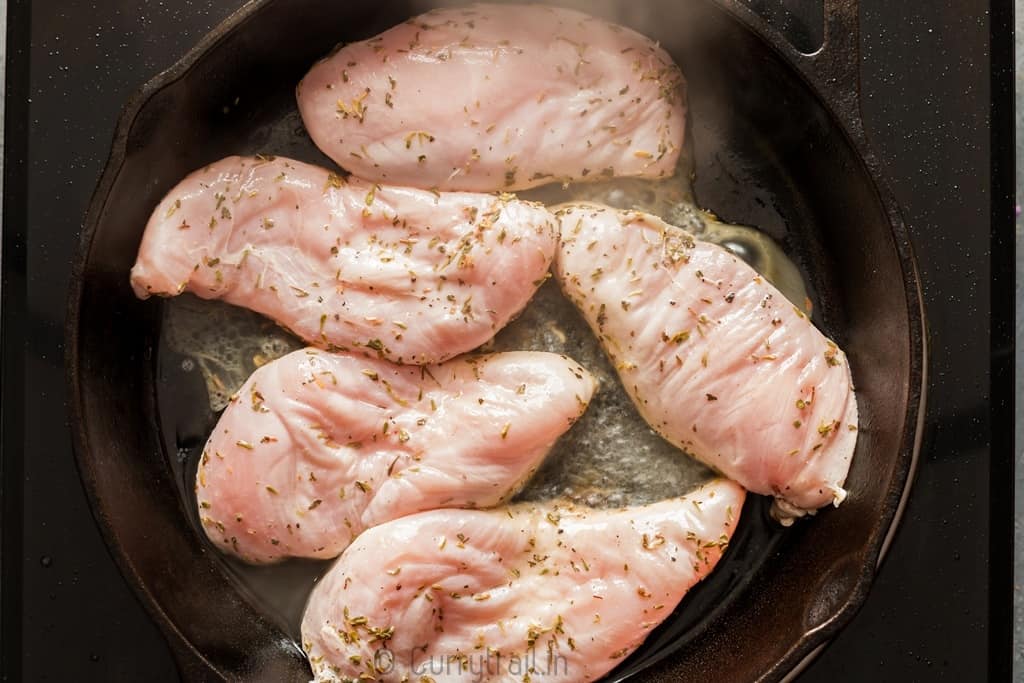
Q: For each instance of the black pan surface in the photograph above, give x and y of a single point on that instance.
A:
(778, 144)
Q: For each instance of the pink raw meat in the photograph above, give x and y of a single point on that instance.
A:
(715, 358)
(456, 595)
(498, 97)
(318, 446)
(404, 274)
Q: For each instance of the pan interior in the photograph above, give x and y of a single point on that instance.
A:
(610, 458)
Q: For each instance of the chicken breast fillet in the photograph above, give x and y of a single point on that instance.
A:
(492, 97)
(405, 274)
(318, 447)
(454, 595)
(715, 358)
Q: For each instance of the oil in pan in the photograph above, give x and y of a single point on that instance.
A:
(609, 458)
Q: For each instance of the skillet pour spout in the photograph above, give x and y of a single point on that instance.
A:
(778, 144)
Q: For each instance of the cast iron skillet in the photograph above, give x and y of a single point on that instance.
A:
(779, 144)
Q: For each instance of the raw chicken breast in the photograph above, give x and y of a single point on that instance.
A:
(453, 595)
(492, 97)
(319, 446)
(715, 358)
(408, 275)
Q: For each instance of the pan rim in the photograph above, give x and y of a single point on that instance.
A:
(81, 440)
(850, 123)
(811, 642)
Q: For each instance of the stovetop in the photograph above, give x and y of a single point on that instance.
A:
(940, 607)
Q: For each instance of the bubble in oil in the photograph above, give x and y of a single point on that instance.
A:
(672, 200)
(225, 342)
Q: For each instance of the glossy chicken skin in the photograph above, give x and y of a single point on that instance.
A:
(318, 446)
(482, 595)
(498, 97)
(405, 274)
(715, 358)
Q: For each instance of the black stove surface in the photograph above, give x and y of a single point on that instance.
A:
(940, 607)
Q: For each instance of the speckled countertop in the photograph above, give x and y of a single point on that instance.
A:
(1018, 520)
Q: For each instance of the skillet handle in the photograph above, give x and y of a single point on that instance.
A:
(834, 68)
